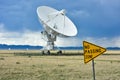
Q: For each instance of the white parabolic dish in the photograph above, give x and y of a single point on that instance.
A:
(56, 21)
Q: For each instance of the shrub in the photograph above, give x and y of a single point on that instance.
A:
(2, 59)
(17, 62)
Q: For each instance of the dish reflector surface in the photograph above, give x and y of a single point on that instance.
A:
(56, 20)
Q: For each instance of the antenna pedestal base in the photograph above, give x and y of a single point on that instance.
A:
(50, 45)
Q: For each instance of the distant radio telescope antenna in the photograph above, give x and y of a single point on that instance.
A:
(55, 23)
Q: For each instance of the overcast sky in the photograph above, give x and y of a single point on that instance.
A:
(97, 21)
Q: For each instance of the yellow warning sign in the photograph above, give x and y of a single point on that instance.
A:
(91, 51)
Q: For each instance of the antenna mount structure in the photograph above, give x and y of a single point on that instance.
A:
(55, 23)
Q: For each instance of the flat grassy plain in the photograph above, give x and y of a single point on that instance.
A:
(57, 67)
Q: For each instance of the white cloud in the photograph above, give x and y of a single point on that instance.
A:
(1, 27)
(26, 38)
(70, 41)
(105, 42)
(17, 38)
(79, 13)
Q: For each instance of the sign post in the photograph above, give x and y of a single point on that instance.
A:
(91, 51)
(93, 68)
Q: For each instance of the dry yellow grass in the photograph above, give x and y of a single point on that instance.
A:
(57, 67)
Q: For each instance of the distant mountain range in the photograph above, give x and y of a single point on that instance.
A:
(5, 46)
(24, 47)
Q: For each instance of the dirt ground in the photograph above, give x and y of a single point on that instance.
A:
(54, 67)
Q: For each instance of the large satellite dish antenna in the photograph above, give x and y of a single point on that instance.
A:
(55, 23)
